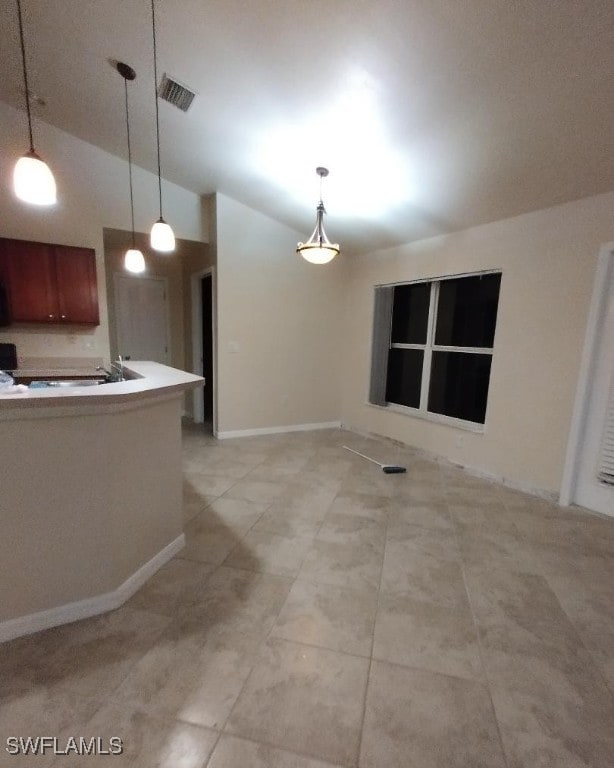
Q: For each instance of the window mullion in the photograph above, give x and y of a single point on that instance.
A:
(468, 350)
(428, 350)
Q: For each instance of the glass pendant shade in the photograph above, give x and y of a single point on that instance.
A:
(134, 261)
(33, 181)
(318, 249)
(162, 237)
(318, 254)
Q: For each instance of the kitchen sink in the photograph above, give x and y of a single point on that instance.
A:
(41, 384)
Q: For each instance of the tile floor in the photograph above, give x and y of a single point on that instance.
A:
(326, 614)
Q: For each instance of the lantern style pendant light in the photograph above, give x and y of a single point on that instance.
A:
(319, 249)
(32, 179)
(162, 237)
(133, 260)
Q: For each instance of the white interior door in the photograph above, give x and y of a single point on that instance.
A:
(594, 485)
(142, 318)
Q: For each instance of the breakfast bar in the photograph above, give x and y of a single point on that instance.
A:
(91, 495)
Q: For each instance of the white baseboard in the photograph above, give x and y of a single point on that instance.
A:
(277, 430)
(91, 606)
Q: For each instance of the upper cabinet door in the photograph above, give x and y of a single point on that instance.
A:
(76, 284)
(30, 276)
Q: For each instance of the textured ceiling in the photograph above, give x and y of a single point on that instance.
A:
(432, 115)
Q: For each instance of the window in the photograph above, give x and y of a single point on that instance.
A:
(433, 345)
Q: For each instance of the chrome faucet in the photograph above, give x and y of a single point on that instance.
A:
(117, 370)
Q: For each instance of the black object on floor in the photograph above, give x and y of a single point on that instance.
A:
(389, 469)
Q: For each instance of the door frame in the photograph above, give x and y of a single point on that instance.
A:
(197, 341)
(587, 370)
(167, 324)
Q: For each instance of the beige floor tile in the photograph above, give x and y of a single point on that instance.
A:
(194, 502)
(342, 565)
(375, 508)
(427, 515)
(208, 485)
(207, 542)
(370, 481)
(267, 552)
(420, 493)
(174, 586)
(330, 617)
(282, 702)
(427, 636)
(417, 540)
(476, 520)
(256, 490)
(87, 660)
(218, 463)
(233, 752)
(236, 514)
(148, 742)
(490, 550)
(589, 604)
(422, 575)
(189, 676)
(287, 521)
(542, 729)
(519, 613)
(422, 719)
(353, 529)
(236, 602)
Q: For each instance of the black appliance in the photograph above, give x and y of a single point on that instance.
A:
(8, 357)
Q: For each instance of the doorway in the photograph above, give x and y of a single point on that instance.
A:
(142, 318)
(204, 346)
(589, 471)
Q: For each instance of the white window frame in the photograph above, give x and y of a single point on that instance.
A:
(428, 348)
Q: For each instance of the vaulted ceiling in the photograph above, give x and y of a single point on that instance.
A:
(432, 115)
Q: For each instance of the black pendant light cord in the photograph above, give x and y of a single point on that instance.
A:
(25, 74)
(129, 162)
(155, 57)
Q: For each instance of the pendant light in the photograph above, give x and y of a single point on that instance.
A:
(133, 260)
(319, 249)
(162, 237)
(33, 181)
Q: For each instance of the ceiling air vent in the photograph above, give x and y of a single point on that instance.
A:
(175, 93)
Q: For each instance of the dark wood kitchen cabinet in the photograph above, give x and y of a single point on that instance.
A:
(47, 283)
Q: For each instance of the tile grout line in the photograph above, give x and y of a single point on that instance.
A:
(370, 665)
(487, 682)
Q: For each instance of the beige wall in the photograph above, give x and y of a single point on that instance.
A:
(279, 323)
(548, 259)
(92, 194)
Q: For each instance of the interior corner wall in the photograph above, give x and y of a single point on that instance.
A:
(279, 325)
(92, 194)
(548, 260)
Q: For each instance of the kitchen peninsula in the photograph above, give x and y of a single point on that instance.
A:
(91, 494)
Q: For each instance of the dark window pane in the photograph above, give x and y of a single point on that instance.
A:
(459, 385)
(404, 377)
(410, 313)
(467, 311)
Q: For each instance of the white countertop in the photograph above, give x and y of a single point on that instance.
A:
(150, 380)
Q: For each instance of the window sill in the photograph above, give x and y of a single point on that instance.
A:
(448, 421)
